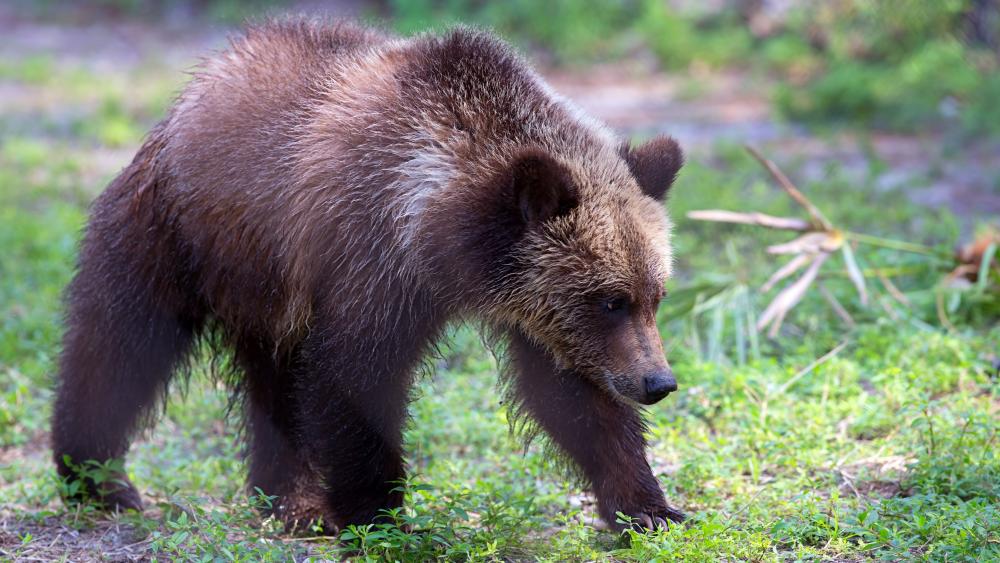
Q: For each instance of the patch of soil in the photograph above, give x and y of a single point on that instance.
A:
(52, 540)
(874, 478)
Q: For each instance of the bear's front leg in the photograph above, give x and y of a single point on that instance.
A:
(600, 432)
(353, 432)
(352, 381)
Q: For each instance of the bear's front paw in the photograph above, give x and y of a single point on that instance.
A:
(112, 495)
(654, 517)
(120, 496)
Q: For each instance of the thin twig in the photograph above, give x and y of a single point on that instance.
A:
(816, 363)
(819, 220)
(847, 479)
(940, 308)
(745, 506)
(942, 312)
(893, 290)
(836, 306)
(885, 303)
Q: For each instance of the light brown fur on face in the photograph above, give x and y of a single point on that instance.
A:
(615, 245)
(320, 202)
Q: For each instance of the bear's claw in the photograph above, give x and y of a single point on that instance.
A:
(659, 518)
(120, 496)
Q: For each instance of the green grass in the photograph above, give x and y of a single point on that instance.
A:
(886, 450)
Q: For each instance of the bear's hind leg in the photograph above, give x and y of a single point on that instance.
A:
(120, 349)
(277, 465)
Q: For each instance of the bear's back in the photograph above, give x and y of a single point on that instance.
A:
(305, 149)
(240, 113)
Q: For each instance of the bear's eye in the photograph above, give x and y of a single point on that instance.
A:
(614, 305)
(659, 298)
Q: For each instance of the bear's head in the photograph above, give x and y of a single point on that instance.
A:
(590, 260)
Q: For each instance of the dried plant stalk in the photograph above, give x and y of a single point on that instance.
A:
(893, 290)
(809, 243)
(819, 220)
(854, 272)
(974, 264)
(789, 297)
(761, 219)
(839, 309)
(788, 269)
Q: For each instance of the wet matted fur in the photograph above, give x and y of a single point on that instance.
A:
(320, 201)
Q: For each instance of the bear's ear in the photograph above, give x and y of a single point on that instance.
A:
(654, 164)
(543, 188)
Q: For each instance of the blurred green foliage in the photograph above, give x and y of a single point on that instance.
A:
(875, 63)
(225, 11)
(584, 32)
(895, 64)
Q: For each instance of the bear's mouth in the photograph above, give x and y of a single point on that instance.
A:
(624, 387)
(645, 391)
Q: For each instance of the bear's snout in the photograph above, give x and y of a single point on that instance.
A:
(658, 385)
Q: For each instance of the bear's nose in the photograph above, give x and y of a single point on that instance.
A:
(659, 384)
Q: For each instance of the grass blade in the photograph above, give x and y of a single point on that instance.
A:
(984, 266)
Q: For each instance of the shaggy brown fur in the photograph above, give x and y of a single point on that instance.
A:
(324, 199)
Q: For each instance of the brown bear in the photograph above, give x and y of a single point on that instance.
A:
(321, 201)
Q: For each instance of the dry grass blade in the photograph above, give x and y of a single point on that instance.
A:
(788, 269)
(954, 279)
(854, 272)
(836, 306)
(942, 314)
(893, 290)
(789, 297)
(760, 219)
(809, 243)
(819, 220)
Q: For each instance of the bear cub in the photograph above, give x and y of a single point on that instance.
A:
(321, 201)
